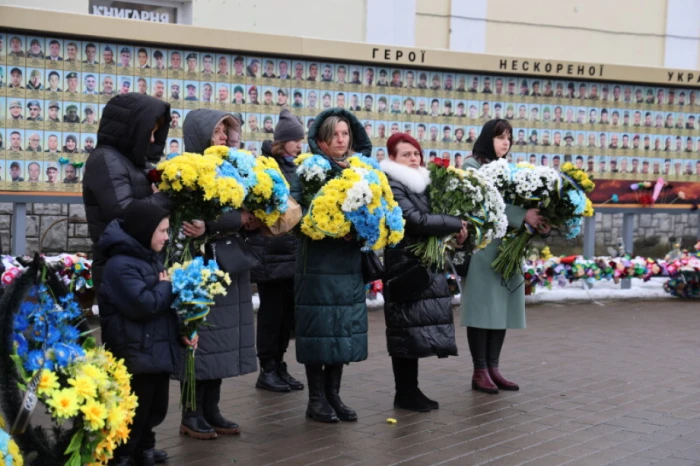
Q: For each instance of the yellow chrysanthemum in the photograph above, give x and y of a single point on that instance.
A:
(48, 382)
(94, 414)
(218, 151)
(14, 450)
(84, 386)
(92, 372)
(588, 210)
(64, 402)
(300, 158)
(567, 166)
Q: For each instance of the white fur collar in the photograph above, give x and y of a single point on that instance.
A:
(415, 180)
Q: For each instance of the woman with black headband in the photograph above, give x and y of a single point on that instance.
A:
(490, 304)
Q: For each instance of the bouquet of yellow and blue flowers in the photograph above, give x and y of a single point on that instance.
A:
(465, 194)
(9, 451)
(571, 204)
(358, 201)
(81, 383)
(195, 284)
(200, 188)
(267, 191)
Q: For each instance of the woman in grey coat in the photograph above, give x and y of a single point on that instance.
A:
(227, 341)
(491, 305)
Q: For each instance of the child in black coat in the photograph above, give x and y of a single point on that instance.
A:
(137, 321)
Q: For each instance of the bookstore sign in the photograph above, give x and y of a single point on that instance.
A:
(135, 11)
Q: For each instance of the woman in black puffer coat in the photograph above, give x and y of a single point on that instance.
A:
(275, 273)
(418, 307)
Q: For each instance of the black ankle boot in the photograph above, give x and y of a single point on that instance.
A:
(269, 379)
(433, 404)
(159, 456)
(223, 426)
(196, 427)
(318, 409)
(412, 400)
(146, 458)
(334, 375)
(122, 461)
(293, 383)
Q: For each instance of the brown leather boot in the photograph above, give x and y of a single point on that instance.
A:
(502, 382)
(481, 382)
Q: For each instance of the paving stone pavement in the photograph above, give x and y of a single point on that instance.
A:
(616, 384)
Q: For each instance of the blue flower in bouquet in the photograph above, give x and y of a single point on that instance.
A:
(69, 333)
(34, 361)
(394, 218)
(578, 200)
(314, 167)
(366, 225)
(21, 322)
(245, 164)
(280, 192)
(53, 335)
(573, 228)
(22, 345)
(71, 309)
(368, 160)
(229, 171)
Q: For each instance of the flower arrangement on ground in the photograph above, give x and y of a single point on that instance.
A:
(358, 201)
(468, 195)
(195, 284)
(78, 383)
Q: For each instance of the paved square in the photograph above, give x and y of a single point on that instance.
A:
(618, 384)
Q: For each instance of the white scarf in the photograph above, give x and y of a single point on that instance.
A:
(416, 180)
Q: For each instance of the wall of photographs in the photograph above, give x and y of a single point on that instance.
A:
(53, 91)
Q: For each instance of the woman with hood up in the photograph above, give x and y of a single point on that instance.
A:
(131, 136)
(227, 342)
(329, 290)
(418, 306)
(489, 304)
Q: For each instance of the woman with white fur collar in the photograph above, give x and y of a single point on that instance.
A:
(418, 303)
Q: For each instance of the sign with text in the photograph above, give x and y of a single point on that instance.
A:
(128, 10)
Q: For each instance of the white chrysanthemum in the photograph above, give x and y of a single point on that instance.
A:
(357, 196)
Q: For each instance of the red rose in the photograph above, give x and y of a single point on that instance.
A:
(646, 200)
(154, 176)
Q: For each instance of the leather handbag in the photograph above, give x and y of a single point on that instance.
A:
(372, 267)
(233, 254)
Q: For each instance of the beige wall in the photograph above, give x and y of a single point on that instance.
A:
(327, 19)
(643, 16)
(563, 41)
(433, 32)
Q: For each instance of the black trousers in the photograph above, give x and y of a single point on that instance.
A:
(485, 346)
(275, 318)
(208, 393)
(405, 373)
(152, 391)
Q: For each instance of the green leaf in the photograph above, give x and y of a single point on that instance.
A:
(75, 443)
(89, 343)
(20, 368)
(74, 459)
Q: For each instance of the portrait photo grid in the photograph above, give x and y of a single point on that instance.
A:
(53, 91)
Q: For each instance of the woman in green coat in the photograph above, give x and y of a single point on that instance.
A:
(329, 291)
(489, 304)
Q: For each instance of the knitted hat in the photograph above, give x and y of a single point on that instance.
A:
(288, 128)
(141, 218)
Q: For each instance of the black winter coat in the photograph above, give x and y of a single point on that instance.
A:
(278, 254)
(422, 325)
(137, 322)
(227, 341)
(116, 171)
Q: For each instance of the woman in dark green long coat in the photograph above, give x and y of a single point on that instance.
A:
(490, 305)
(329, 291)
